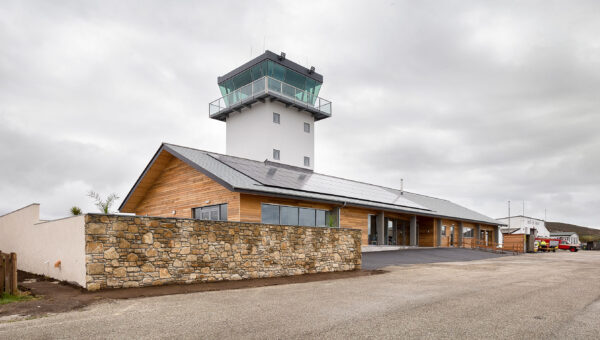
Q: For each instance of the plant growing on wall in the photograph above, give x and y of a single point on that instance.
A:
(103, 204)
(75, 210)
(331, 222)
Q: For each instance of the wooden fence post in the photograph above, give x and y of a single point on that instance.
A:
(13, 280)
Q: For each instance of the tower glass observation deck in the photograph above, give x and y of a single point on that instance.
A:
(270, 76)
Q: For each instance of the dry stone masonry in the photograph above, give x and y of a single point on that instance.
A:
(136, 251)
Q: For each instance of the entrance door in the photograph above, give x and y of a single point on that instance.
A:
(451, 236)
(484, 237)
(390, 231)
(401, 236)
(372, 229)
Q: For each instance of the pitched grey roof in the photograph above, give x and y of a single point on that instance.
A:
(244, 175)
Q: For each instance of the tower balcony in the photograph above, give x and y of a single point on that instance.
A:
(267, 88)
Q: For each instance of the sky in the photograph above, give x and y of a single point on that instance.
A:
(476, 102)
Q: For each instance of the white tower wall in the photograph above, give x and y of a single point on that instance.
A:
(253, 134)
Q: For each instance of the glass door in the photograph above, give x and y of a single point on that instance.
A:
(390, 232)
(373, 229)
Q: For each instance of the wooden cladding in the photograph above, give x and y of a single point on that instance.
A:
(357, 218)
(180, 188)
(426, 228)
(514, 242)
(161, 161)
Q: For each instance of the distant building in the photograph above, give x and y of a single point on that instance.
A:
(567, 237)
(523, 225)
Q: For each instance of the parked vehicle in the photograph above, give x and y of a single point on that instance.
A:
(553, 243)
(546, 245)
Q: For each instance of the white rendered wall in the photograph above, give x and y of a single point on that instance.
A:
(252, 134)
(525, 224)
(39, 244)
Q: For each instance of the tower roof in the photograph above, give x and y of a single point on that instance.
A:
(270, 76)
(268, 55)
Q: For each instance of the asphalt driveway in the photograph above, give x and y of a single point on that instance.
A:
(489, 299)
(380, 259)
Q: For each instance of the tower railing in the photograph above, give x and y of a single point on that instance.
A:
(268, 85)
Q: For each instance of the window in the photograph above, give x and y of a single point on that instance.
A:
(467, 232)
(287, 215)
(216, 212)
(270, 214)
(320, 218)
(223, 212)
(276, 154)
(307, 217)
(275, 71)
(306, 161)
(306, 127)
(276, 118)
(443, 230)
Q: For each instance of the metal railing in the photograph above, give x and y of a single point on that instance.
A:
(270, 85)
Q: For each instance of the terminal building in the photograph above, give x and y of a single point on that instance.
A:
(271, 107)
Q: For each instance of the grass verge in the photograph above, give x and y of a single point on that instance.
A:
(7, 298)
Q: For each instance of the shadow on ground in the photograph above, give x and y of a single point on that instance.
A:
(377, 260)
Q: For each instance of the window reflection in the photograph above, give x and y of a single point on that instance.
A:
(276, 71)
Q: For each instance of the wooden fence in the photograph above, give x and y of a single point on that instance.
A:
(8, 273)
(494, 247)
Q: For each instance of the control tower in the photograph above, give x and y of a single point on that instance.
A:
(270, 105)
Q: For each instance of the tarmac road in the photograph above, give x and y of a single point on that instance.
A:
(380, 259)
(554, 295)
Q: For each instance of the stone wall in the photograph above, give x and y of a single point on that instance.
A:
(135, 251)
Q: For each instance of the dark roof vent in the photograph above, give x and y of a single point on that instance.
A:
(311, 70)
(282, 56)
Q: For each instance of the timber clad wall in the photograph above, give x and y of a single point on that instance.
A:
(134, 251)
(181, 188)
(426, 232)
(357, 218)
(514, 242)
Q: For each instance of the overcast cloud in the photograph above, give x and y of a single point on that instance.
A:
(477, 102)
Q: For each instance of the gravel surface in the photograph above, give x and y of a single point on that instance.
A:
(554, 295)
